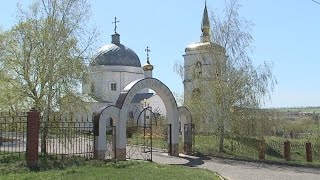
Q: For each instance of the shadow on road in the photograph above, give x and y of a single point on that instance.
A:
(194, 161)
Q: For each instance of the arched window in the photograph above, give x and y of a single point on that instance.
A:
(198, 64)
(196, 93)
(198, 70)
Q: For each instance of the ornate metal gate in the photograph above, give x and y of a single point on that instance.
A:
(161, 135)
(139, 136)
(147, 133)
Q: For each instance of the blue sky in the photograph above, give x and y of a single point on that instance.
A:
(285, 32)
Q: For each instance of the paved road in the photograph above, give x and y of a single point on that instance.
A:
(239, 170)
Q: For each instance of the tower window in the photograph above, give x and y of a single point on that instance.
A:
(196, 93)
(198, 64)
(113, 86)
(198, 70)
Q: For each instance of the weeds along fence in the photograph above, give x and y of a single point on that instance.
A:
(233, 146)
(298, 151)
(273, 148)
(64, 135)
(316, 152)
(13, 133)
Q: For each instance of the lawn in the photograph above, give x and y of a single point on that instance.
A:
(233, 147)
(116, 170)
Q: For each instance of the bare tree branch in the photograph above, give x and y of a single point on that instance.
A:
(316, 2)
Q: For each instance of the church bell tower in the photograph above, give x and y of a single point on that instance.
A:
(201, 60)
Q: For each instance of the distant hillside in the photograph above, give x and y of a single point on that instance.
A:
(299, 109)
(297, 120)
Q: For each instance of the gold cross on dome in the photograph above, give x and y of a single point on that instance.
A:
(147, 50)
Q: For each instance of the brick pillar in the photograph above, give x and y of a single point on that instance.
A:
(33, 138)
(262, 149)
(287, 150)
(309, 152)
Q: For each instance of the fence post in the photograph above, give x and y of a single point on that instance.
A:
(262, 149)
(33, 138)
(287, 150)
(308, 151)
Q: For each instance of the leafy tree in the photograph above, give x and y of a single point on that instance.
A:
(43, 56)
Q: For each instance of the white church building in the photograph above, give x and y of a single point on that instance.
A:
(114, 67)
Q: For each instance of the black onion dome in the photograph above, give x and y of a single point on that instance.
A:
(116, 54)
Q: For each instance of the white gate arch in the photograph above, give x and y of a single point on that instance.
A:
(121, 110)
(100, 118)
(167, 97)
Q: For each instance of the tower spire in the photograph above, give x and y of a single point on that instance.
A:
(205, 25)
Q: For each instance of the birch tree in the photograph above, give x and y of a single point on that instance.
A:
(43, 56)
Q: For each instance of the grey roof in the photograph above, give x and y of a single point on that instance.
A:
(139, 97)
(136, 99)
(121, 99)
(116, 54)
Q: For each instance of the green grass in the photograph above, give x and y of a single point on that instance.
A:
(117, 170)
(233, 147)
(158, 137)
(156, 142)
(9, 157)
